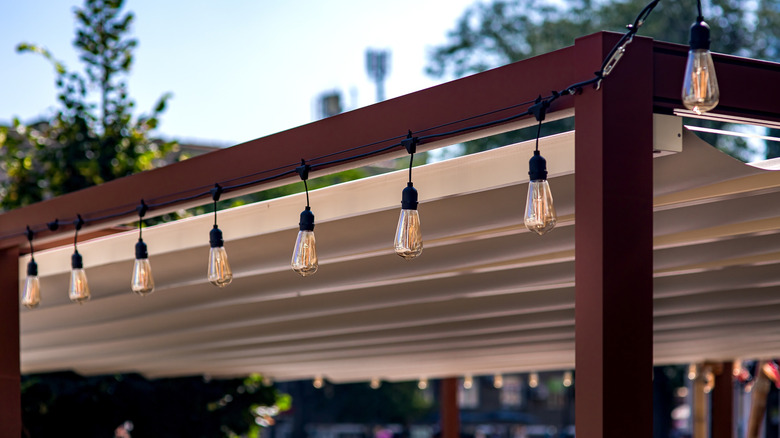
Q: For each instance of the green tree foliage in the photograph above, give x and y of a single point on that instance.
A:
(497, 32)
(85, 142)
(67, 404)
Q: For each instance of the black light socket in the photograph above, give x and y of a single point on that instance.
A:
(215, 238)
(307, 220)
(537, 167)
(76, 261)
(140, 250)
(409, 197)
(32, 269)
(700, 36)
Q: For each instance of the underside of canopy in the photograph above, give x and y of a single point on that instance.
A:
(486, 295)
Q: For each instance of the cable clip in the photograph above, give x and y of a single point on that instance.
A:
(216, 192)
(539, 109)
(79, 222)
(142, 209)
(410, 143)
(53, 226)
(303, 170)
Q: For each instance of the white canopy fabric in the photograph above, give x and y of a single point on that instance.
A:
(485, 296)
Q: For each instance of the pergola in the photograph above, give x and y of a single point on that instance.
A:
(664, 260)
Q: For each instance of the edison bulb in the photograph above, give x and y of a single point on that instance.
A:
(304, 258)
(219, 272)
(142, 282)
(700, 91)
(79, 288)
(31, 297)
(540, 214)
(539, 209)
(700, 87)
(533, 380)
(408, 236)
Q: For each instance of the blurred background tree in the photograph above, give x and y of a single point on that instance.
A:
(67, 404)
(93, 136)
(497, 32)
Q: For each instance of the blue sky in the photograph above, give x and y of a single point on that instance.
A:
(238, 69)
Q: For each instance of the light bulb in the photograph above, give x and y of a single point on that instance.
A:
(408, 236)
(700, 91)
(219, 273)
(533, 380)
(568, 379)
(498, 381)
(304, 258)
(468, 381)
(375, 383)
(318, 382)
(142, 282)
(692, 372)
(31, 297)
(79, 289)
(540, 214)
(422, 383)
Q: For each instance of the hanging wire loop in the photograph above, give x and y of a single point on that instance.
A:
(30, 236)
(79, 222)
(303, 172)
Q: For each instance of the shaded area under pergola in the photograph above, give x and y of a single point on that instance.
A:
(668, 259)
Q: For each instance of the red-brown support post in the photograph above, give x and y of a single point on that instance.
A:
(449, 412)
(613, 242)
(723, 403)
(10, 376)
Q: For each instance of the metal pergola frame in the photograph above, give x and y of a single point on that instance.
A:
(613, 195)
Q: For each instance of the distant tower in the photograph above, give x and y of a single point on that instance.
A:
(329, 104)
(378, 65)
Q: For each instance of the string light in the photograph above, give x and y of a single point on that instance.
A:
(219, 272)
(498, 381)
(375, 383)
(692, 371)
(318, 382)
(468, 381)
(79, 288)
(142, 281)
(31, 297)
(540, 214)
(700, 92)
(709, 380)
(422, 384)
(568, 379)
(408, 235)
(533, 380)
(304, 258)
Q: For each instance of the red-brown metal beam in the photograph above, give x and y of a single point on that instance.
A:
(613, 243)
(449, 411)
(10, 377)
(723, 403)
